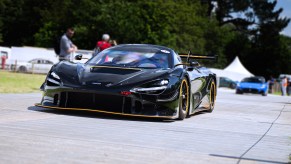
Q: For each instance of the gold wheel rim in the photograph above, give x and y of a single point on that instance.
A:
(184, 95)
(212, 94)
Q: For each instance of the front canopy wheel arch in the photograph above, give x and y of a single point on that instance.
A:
(184, 99)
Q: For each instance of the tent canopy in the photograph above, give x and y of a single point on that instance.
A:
(235, 71)
(236, 66)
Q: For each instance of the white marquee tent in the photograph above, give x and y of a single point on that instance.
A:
(235, 71)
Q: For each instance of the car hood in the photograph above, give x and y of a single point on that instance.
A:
(80, 74)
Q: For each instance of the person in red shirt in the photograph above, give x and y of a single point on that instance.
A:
(104, 43)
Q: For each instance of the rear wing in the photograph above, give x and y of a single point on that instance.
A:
(191, 55)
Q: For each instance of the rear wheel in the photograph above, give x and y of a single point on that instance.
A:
(184, 99)
(212, 96)
(232, 86)
(22, 69)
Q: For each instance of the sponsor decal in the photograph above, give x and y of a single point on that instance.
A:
(96, 83)
(165, 51)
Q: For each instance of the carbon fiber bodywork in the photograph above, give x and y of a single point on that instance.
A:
(137, 91)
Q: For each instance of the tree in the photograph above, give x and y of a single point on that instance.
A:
(59, 15)
(177, 25)
(21, 19)
(247, 28)
(226, 12)
(2, 9)
(267, 46)
(257, 41)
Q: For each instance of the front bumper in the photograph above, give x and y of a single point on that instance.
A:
(111, 103)
(251, 90)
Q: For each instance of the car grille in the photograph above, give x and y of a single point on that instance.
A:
(250, 90)
(111, 103)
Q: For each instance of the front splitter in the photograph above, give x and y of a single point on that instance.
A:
(102, 111)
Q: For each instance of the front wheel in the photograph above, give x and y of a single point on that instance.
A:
(238, 92)
(184, 99)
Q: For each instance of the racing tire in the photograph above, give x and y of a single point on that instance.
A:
(212, 96)
(238, 92)
(232, 86)
(184, 99)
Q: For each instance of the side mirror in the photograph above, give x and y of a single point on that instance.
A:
(194, 64)
(78, 57)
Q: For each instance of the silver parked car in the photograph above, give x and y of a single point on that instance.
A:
(33, 66)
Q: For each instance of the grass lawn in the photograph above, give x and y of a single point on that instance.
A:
(11, 82)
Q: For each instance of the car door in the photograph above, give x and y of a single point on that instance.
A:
(37, 66)
(47, 65)
(198, 85)
(197, 82)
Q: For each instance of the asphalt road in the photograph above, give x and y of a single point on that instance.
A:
(241, 129)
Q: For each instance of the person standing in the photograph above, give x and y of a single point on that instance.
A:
(67, 48)
(284, 83)
(289, 86)
(104, 43)
(271, 84)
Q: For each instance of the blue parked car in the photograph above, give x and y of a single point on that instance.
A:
(227, 82)
(256, 84)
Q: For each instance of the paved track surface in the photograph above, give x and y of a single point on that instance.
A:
(241, 129)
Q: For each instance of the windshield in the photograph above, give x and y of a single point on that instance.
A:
(253, 80)
(121, 58)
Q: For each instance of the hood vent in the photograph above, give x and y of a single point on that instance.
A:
(113, 70)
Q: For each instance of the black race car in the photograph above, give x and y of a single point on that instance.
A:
(132, 79)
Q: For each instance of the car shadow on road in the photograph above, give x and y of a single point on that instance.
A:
(285, 103)
(247, 159)
(98, 115)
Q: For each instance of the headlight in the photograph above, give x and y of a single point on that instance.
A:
(162, 82)
(263, 86)
(152, 87)
(53, 79)
(55, 75)
(238, 85)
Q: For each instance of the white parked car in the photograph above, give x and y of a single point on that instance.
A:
(33, 66)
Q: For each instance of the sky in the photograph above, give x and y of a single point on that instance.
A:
(286, 5)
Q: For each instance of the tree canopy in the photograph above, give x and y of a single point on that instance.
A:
(202, 26)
